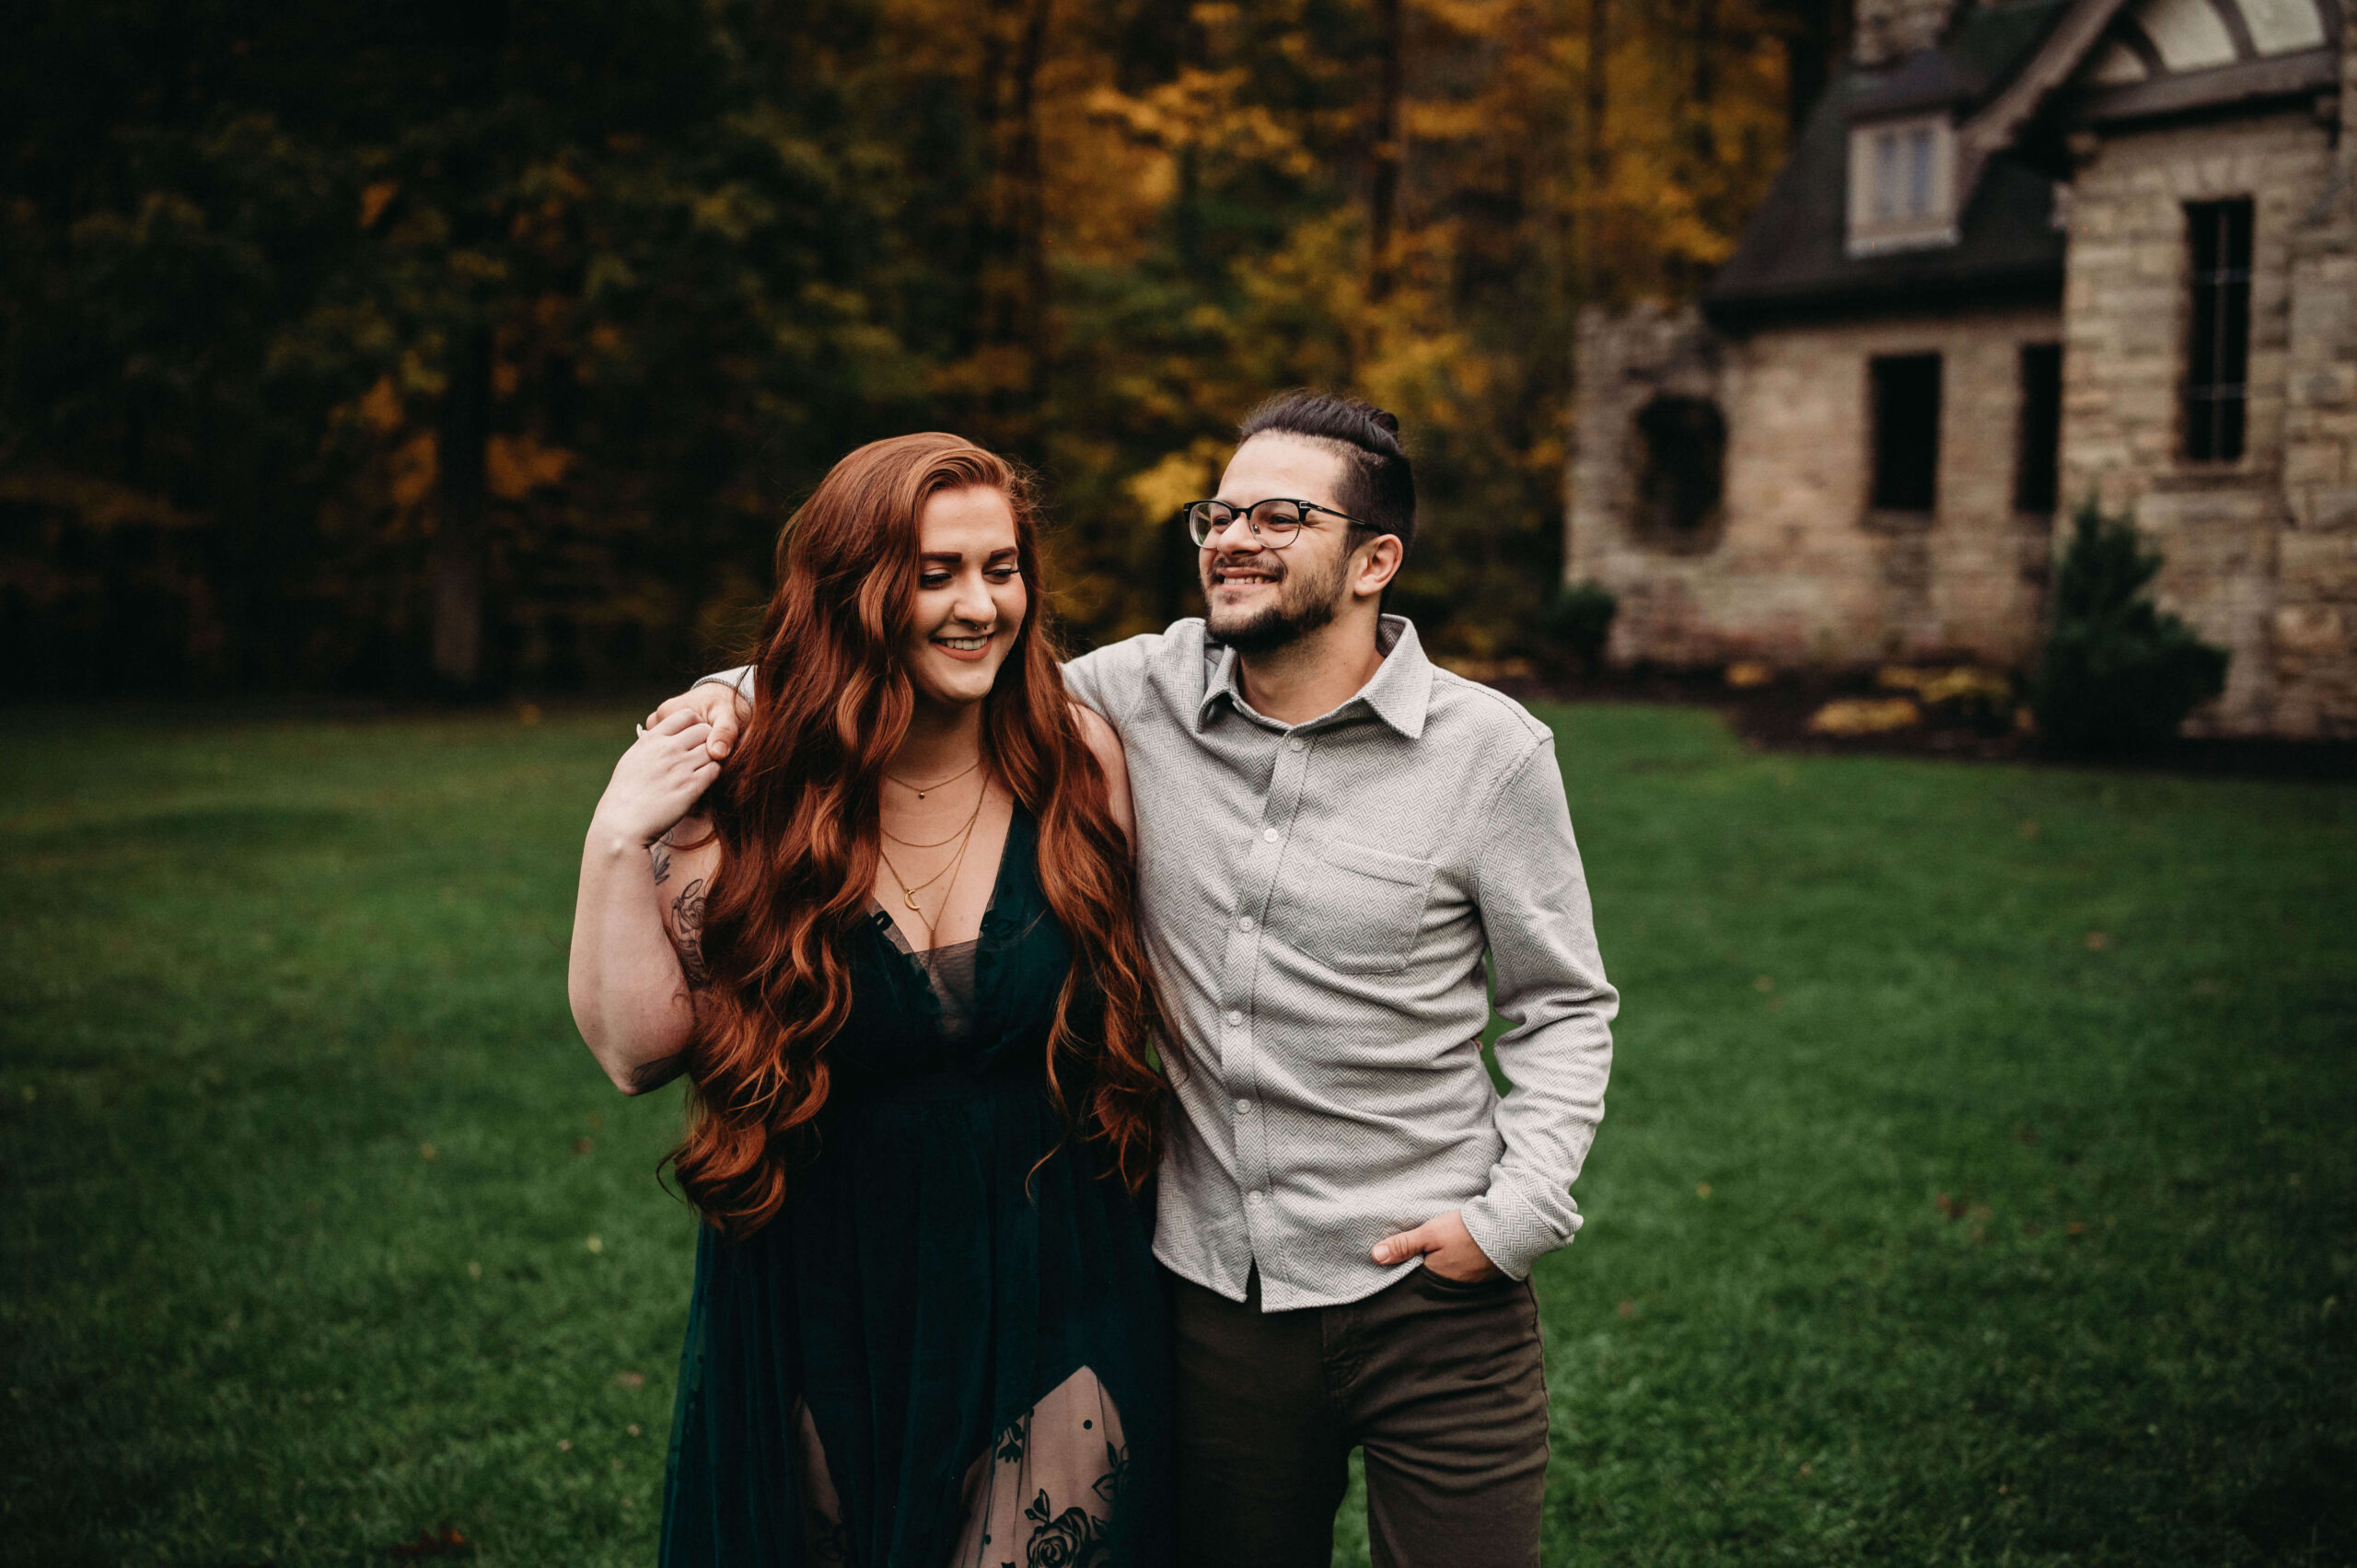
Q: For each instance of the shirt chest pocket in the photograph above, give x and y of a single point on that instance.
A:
(1361, 908)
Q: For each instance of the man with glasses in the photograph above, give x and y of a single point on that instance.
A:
(1331, 832)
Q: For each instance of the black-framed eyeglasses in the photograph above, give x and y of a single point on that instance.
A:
(1275, 522)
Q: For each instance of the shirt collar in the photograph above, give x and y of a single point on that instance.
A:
(1398, 694)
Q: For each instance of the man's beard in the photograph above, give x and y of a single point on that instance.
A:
(1304, 602)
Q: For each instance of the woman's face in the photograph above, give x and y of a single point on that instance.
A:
(971, 599)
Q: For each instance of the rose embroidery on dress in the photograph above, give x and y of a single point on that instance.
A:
(1117, 1475)
(1074, 1539)
(1010, 1442)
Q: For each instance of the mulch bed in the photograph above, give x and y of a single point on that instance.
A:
(1775, 717)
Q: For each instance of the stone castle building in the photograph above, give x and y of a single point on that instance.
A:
(2021, 253)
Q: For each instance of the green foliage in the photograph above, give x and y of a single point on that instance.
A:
(2055, 1271)
(326, 334)
(2117, 674)
(289, 306)
(1580, 621)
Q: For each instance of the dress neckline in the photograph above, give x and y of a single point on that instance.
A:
(894, 938)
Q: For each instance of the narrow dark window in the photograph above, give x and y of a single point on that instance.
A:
(1685, 451)
(2038, 460)
(2218, 348)
(1907, 432)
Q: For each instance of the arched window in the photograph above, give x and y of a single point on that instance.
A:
(1685, 442)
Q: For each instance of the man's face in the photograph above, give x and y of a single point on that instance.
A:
(1260, 599)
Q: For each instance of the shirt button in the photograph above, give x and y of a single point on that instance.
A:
(1256, 1199)
(1270, 834)
(1244, 1108)
(1295, 744)
(1236, 1020)
(1244, 925)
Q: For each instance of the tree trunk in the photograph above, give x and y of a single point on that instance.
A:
(1383, 219)
(1030, 205)
(1012, 241)
(455, 562)
(1813, 40)
(1599, 159)
(1599, 51)
(1705, 83)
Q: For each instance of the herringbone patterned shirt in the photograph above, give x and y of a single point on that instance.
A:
(1318, 898)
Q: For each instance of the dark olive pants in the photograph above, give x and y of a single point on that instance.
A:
(1443, 1384)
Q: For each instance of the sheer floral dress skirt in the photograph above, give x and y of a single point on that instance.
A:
(949, 1349)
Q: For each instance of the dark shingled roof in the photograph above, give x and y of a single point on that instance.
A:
(1793, 261)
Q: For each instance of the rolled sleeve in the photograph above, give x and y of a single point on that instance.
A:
(1549, 982)
(1111, 680)
(740, 678)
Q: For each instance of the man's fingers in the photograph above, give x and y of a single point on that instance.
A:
(675, 721)
(1406, 1245)
(670, 705)
(724, 726)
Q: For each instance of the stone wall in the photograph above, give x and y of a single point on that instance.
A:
(2260, 554)
(2253, 557)
(2315, 667)
(1800, 570)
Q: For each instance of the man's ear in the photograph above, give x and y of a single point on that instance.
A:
(1377, 562)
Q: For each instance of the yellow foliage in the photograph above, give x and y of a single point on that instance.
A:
(1182, 476)
(514, 465)
(374, 199)
(1937, 686)
(416, 465)
(1866, 716)
(100, 504)
(381, 405)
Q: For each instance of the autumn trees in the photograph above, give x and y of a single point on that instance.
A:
(466, 346)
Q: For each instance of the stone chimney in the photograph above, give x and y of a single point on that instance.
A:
(1887, 31)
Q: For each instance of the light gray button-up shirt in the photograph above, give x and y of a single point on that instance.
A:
(1316, 899)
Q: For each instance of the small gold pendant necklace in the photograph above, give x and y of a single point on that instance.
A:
(924, 790)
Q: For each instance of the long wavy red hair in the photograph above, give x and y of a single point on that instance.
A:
(796, 812)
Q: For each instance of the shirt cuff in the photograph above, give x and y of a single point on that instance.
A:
(1509, 1232)
(741, 678)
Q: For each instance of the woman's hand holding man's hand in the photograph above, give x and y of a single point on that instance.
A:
(658, 780)
(712, 703)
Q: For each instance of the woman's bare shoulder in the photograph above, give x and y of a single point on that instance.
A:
(1104, 742)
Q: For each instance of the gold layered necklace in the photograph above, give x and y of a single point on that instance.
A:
(963, 838)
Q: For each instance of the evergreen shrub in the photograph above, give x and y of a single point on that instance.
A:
(1579, 622)
(2117, 674)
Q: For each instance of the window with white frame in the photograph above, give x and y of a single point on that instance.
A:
(1902, 178)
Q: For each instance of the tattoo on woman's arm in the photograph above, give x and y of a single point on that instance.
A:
(661, 854)
(686, 934)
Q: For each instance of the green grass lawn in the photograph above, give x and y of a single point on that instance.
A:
(1980, 1184)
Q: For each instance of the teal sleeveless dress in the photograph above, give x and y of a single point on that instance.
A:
(949, 1348)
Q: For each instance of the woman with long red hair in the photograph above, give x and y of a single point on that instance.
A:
(893, 950)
